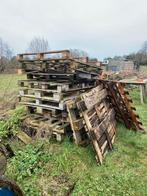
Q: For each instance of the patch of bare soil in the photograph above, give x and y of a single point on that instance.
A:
(57, 185)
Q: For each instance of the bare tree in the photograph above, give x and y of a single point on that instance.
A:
(38, 44)
(76, 53)
(141, 55)
(144, 48)
(5, 55)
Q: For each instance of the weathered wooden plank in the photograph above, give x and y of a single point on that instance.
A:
(24, 137)
(94, 96)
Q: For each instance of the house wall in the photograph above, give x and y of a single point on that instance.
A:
(120, 65)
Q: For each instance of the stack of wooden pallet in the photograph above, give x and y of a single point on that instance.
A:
(53, 78)
(65, 97)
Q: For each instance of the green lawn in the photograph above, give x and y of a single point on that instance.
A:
(8, 90)
(54, 168)
(141, 109)
(143, 68)
(50, 168)
(8, 82)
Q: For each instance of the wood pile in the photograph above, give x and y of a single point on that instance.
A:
(53, 78)
(64, 96)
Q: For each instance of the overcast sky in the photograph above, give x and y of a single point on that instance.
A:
(102, 28)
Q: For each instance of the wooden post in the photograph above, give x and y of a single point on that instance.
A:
(145, 91)
(142, 94)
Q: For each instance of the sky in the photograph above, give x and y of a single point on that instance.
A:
(103, 28)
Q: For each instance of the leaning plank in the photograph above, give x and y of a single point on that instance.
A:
(24, 137)
(99, 156)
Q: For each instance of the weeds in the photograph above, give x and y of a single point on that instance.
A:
(12, 125)
(52, 168)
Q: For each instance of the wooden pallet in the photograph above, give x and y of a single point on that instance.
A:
(50, 76)
(49, 65)
(46, 112)
(99, 119)
(42, 85)
(80, 134)
(56, 61)
(45, 128)
(136, 125)
(54, 86)
(53, 95)
(122, 104)
(48, 105)
(42, 55)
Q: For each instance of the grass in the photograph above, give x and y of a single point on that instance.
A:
(143, 68)
(60, 166)
(8, 90)
(141, 109)
(8, 82)
(50, 168)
